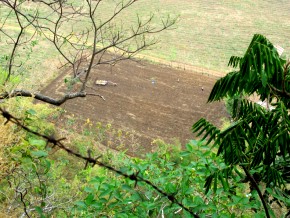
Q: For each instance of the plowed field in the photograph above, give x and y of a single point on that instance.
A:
(153, 101)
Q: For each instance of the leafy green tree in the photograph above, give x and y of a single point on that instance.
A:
(258, 139)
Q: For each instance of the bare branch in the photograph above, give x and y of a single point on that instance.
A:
(44, 98)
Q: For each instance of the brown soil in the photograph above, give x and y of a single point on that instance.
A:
(153, 101)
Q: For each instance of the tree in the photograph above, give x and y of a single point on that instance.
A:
(82, 33)
(258, 139)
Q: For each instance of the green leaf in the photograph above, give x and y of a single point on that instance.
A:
(88, 190)
(39, 154)
(89, 199)
(106, 192)
(81, 204)
(97, 180)
(198, 200)
(224, 183)
(264, 79)
(37, 142)
(260, 214)
(122, 215)
(189, 147)
(47, 165)
(151, 206)
(170, 188)
(31, 112)
(184, 153)
(126, 187)
(189, 203)
(39, 211)
(187, 214)
(215, 183)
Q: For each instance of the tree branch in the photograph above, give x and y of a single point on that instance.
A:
(41, 97)
(253, 181)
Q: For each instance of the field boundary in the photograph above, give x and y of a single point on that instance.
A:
(181, 66)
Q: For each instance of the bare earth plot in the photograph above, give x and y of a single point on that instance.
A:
(154, 101)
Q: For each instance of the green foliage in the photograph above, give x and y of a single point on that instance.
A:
(14, 80)
(258, 139)
(96, 192)
(30, 178)
(111, 195)
(258, 70)
(71, 82)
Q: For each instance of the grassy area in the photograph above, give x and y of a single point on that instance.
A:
(207, 34)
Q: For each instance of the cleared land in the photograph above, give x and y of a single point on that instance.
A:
(152, 101)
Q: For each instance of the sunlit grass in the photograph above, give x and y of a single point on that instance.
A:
(207, 34)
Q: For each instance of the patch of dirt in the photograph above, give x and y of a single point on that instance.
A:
(153, 101)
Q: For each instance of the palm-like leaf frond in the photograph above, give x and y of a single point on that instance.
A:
(259, 138)
(260, 66)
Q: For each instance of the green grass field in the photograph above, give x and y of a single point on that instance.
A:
(210, 32)
(207, 34)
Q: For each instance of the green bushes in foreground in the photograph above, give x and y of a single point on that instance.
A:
(55, 185)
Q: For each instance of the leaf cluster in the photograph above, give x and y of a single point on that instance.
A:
(258, 138)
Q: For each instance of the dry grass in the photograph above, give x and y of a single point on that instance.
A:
(6, 133)
(6, 215)
(6, 139)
